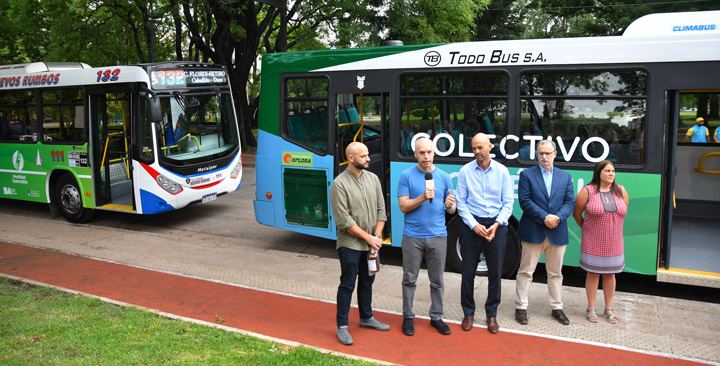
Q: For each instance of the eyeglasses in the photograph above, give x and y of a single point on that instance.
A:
(546, 153)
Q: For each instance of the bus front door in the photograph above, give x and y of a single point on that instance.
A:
(111, 136)
(691, 250)
(364, 118)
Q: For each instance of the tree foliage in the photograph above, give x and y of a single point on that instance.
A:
(236, 33)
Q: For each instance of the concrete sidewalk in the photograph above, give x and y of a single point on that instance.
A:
(670, 327)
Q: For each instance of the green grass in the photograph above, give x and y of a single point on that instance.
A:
(41, 326)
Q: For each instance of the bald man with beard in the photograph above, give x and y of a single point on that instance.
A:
(358, 207)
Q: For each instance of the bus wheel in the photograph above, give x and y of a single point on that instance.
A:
(513, 249)
(454, 257)
(68, 199)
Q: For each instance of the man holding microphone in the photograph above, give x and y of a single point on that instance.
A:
(424, 232)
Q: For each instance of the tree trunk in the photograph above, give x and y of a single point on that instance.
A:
(702, 108)
(714, 112)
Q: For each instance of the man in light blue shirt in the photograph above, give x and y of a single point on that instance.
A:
(485, 203)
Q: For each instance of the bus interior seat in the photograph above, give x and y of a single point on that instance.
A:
(314, 128)
(313, 125)
(342, 116)
(296, 126)
(4, 130)
(17, 129)
(352, 113)
(170, 140)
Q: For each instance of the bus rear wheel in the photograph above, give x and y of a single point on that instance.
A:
(454, 255)
(68, 199)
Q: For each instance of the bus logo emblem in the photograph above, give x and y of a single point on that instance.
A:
(432, 58)
(18, 160)
(302, 159)
(361, 82)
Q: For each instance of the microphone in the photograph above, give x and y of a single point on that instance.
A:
(429, 183)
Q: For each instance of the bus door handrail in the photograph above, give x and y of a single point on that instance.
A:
(102, 163)
(342, 138)
(700, 168)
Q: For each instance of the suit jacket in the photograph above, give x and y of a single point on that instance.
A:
(536, 204)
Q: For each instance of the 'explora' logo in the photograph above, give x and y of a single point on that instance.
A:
(297, 159)
(432, 58)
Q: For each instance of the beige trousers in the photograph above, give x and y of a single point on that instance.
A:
(531, 254)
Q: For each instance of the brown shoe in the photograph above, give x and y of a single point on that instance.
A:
(521, 316)
(559, 315)
(467, 323)
(492, 325)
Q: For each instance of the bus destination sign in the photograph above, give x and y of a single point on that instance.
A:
(166, 79)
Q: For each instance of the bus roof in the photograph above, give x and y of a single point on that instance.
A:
(670, 24)
(66, 74)
(35, 76)
(34, 67)
(649, 39)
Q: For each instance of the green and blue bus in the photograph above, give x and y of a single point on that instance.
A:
(144, 139)
(629, 99)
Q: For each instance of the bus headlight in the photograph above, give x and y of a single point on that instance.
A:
(236, 170)
(167, 184)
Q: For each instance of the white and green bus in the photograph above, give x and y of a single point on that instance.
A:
(144, 139)
(629, 99)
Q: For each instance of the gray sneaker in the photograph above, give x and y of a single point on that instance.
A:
(373, 323)
(344, 336)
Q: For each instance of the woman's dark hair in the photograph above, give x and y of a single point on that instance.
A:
(595, 182)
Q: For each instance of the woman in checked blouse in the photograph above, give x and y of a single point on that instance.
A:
(605, 205)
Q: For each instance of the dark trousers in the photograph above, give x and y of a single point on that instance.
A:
(471, 246)
(353, 265)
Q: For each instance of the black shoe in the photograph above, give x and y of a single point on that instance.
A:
(559, 315)
(408, 328)
(521, 316)
(440, 326)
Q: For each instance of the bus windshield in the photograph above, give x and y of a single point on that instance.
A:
(196, 128)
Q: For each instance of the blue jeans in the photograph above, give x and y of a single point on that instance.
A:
(471, 245)
(353, 265)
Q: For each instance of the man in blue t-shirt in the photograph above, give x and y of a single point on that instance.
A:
(424, 234)
(698, 132)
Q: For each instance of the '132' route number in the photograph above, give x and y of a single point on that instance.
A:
(108, 75)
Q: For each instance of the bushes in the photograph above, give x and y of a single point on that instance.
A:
(420, 113)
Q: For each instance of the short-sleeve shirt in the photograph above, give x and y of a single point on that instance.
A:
(698, 133)
(428, 219)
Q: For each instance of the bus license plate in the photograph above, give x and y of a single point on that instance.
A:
(210, 197)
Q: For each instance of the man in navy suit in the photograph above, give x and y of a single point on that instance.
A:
(547, 199)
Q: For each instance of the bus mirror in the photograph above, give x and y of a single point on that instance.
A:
(154, 109)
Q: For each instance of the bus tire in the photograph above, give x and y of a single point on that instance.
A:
(453, 261)
(68, 200)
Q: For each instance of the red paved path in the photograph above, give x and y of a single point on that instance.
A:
(305, 321)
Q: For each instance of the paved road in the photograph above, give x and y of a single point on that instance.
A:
(232, 216)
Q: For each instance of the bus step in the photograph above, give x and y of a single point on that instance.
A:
(689, 277)
(116, 207)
